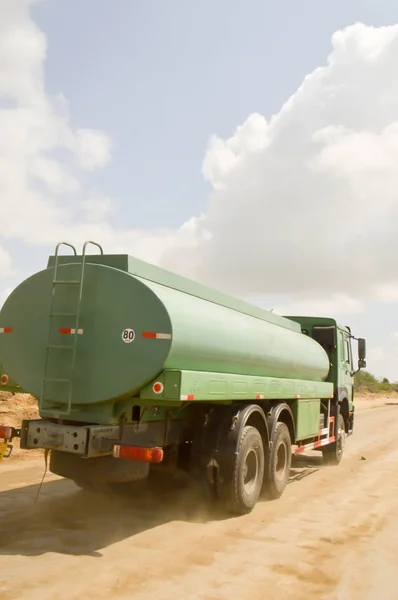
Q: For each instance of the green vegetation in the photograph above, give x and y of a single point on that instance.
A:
(366, 382)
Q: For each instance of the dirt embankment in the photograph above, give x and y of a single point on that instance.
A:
(13, 409)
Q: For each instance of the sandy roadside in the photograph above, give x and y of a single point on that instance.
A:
(331, 536)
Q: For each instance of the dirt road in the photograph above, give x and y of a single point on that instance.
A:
(332, 535)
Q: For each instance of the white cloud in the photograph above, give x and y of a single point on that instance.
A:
(92, 148)
(335, 304)
(40, 193)
(223, 157)
(4, 295)
(308, 202)
(382, 358)
(387, 293)
(5, 263)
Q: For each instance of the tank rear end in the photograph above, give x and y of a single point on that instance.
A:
(111, 356)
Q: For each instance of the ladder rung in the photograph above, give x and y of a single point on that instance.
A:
(59, 347)
(66, 282)
(54, 402)
(57, 380)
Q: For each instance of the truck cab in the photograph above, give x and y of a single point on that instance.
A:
(336, 339)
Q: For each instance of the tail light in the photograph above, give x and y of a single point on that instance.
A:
(123, 451)
(7, 433)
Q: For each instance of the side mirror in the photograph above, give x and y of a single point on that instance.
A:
(361, 349)
(361, 353)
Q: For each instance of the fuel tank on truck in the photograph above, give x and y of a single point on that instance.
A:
(134, 321)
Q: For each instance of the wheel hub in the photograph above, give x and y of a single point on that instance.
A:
(250, 471)
(281, 456)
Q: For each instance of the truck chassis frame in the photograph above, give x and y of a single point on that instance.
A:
(208, 446)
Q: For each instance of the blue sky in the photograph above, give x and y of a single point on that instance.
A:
(157, 81)
(161, 77)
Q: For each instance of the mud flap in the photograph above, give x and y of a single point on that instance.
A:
(103, 469)
(216, 440)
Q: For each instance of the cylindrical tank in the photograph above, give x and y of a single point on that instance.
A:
(132, 329)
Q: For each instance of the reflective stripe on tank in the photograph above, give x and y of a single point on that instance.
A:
(5, 329)
(156, 336)
(68, 331)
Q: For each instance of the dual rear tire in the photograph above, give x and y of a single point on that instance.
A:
(248, 473)
(280, 460)
(253, 474)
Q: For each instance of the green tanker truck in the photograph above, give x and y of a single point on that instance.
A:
(138, 371)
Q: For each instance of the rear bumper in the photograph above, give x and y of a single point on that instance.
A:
(90, 441)
(86, 441)
(82, 453)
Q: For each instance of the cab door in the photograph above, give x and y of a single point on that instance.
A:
(346, 365)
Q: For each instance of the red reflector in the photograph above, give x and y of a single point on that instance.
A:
(5, 329)
(4, 379)
(149, 334)
(6, 433)
(154, 455)
(158, 387)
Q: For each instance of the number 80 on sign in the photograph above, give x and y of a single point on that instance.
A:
(128, 336)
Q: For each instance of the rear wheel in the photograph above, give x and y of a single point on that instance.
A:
(280, 460)
(333, 453)
(247, 479)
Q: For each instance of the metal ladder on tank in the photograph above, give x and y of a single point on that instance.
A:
(56, 283)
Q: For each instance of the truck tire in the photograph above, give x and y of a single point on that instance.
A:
(279, 462)
(248, 473)
(333, 453)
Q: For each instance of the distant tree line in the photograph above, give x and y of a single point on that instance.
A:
(366, 382)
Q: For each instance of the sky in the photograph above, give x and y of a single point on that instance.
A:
(252, 146)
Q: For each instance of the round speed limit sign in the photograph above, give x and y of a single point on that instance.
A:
(128, 336)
